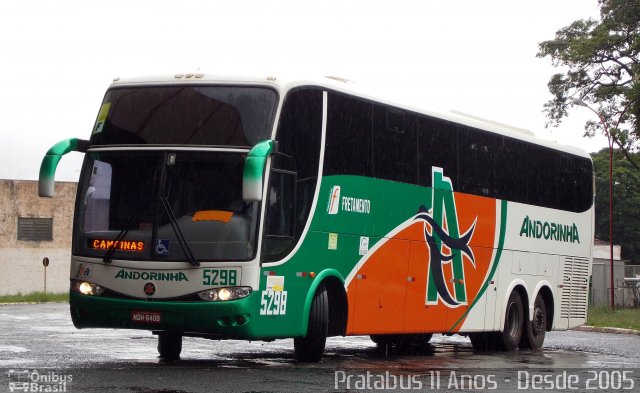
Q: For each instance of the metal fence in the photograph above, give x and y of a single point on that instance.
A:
(631, 271)
(626, 289)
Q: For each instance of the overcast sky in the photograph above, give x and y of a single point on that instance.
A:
(478, 57)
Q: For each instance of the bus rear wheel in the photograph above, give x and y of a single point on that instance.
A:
(311, 347)
(534, 330)
(169, 345)
(513, 322)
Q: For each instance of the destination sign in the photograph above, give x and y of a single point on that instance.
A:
(119, 245)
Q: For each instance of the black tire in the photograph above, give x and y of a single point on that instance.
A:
(479, 341)
(513, 322)
(311, 347)
(535, 330)
(400, 341)
(393, 340)
(486, 341)
(378, 339)
(169, 345)
(422, 339)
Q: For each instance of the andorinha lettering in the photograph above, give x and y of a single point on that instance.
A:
(121, 245)
(549, 231)
(151, 276)
(356, 205)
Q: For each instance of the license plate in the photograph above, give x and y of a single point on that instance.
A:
(138, 316)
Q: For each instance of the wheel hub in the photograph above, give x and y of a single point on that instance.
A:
(538, 321)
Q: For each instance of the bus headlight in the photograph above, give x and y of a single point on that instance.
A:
(224, 294)
(86, 288)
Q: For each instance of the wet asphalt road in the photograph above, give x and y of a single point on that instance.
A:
(39, 343)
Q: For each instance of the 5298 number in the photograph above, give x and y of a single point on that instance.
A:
(221, 277)
(273, 303)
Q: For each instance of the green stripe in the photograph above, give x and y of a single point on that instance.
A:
(496, 261)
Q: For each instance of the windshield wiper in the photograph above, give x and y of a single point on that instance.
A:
(108, 256)
(176, 229)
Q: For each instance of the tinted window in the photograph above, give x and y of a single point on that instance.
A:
(394, 145)
(167, 204)
(584, 183)
(295, 171)
(279, 228)
(349, 143)
(477, 155)
(406, 146)
(437, 146)
(188, 114)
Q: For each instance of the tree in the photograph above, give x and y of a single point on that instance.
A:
(601, 60)
(626, 202)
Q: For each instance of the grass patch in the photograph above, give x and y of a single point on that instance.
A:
(35, 297)
(626, 318)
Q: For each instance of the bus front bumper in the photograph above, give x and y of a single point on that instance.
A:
(230, 319)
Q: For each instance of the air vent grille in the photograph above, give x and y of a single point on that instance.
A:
(575, 288)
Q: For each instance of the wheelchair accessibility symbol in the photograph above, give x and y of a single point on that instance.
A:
(162, 247)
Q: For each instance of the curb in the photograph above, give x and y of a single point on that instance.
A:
(587, 328)
(23, 303)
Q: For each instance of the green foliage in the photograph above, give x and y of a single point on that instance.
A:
(626, 318)
(626, 202)
(601, 65)
(35, 297)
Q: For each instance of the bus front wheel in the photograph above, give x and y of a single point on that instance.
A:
(513, 322)
(169, 345)
(311, 347)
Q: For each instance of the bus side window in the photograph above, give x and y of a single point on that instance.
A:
(279, 229)
(395, 155)
(437, 147)
(299, 135)
(567, 184)
(584, 184)
(349, 142)
(476, 161)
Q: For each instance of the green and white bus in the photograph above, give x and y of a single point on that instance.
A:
(261, 209)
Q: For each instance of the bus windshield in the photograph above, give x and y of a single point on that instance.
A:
(164, 205)
(185, 115)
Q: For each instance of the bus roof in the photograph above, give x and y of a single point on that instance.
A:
(346, 86)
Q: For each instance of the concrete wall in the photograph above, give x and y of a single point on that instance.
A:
(602, 251)
(21, 267)
(601, 283)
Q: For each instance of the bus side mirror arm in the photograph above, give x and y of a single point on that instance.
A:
(253, 174)
(51, 160)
